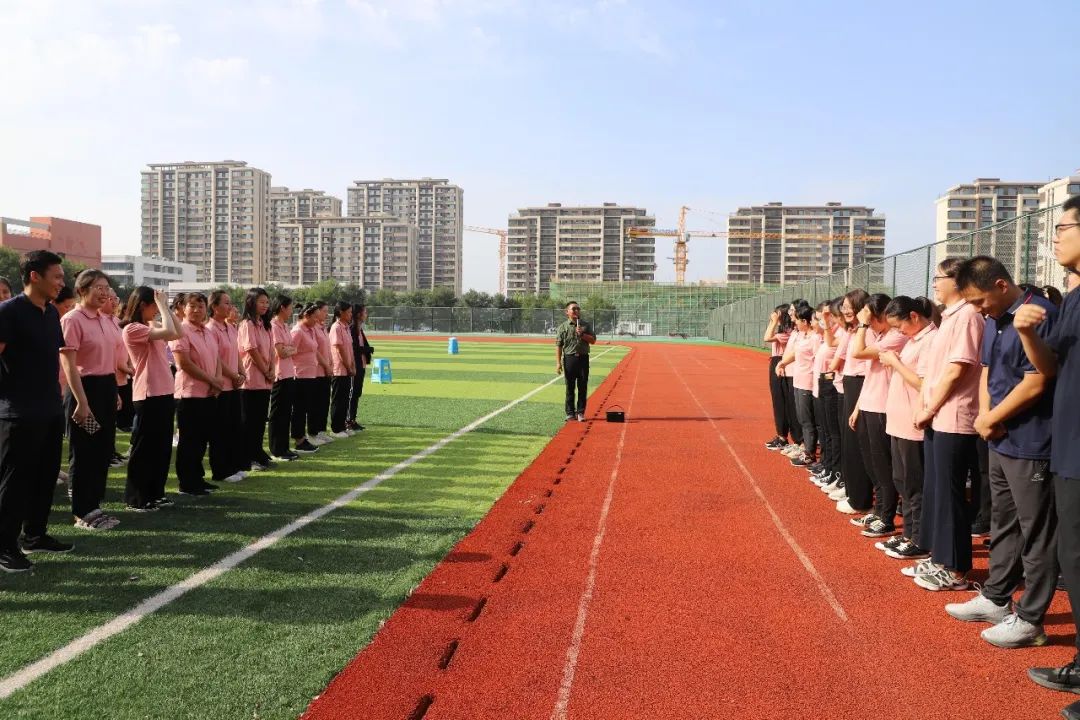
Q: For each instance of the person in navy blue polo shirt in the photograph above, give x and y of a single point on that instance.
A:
(1058, 354)
(1016, 404)
(31, 416)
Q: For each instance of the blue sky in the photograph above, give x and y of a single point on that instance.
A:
(659, 104)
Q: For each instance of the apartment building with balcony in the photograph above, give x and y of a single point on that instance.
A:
(213, 215)
(980, 205)
(435, 207)
(579, 243)
(283, 254)
(136, 270)
(775, 243)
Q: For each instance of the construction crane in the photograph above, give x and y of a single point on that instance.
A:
(681, 235)
(502, 251)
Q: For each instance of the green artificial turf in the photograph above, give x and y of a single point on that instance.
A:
(266, 637)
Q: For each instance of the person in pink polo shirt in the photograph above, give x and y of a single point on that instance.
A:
(197, 385)
(798, 363)
(777, 333)
(950, 404)
(228, 457)
(856, 496)
(89, 361)
(305, 339)
(283, 391)
(257, 359)
(319, 407)
(124, 371)
(152, 397)
(362, 352)
(912, 317)
(344, 367)
(826, 399)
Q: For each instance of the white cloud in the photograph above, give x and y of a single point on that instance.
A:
(218, 71)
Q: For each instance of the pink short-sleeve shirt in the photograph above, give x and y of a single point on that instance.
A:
(903, 400)
(341, 341)
(152, 375)
(822, 357)
(958, 340)
(254, 338)
(843, 337)
(91, 335)
(780, 341)
(306, 341)
(802, 370)
(852, 366)
(201, 349)
(228, 348)
(285, 368)
(121, 353)
(875, 390)
(323, 338)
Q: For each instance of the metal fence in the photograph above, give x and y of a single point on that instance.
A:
(1023, 244)
(503, 321)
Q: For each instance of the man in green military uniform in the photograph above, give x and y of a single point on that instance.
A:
(572, 341)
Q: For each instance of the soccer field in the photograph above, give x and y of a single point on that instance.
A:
(263, 638)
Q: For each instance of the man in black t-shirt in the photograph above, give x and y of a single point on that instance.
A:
(31, 414)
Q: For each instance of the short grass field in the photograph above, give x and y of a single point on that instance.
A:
(264, 638)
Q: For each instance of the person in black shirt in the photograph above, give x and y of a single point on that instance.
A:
(362, 352)
(31, 415)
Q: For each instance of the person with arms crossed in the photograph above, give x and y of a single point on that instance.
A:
(572, 341)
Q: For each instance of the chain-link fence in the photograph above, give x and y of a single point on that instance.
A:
(503, 321)
(1023, 244)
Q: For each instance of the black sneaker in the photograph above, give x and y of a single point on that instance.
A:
(1071, 712)
(803, 460)
(815, 468)
(776, 443)
(570, 417)
(45, 543)
(878, 528)
(894, 542)
(195, 493)
(163, 502)
(209, 487)
(908, 551)
(1065, 678)
(306, 448)
(864, 521)
(979, 530)
(144, 508)
(13, 561)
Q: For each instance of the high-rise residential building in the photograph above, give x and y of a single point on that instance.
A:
(77, 241)
(776, 243)
(283, 254)
(435, 207)
(135, 270)
(1058, 191)
(1052, 195)
(214, 215)
(584, 243)
(374, 252)
(981, 204)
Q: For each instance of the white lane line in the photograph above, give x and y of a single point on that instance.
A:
(119, 624)
(574, 651)
(823, 587)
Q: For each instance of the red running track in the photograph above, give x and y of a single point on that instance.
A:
(671, 567)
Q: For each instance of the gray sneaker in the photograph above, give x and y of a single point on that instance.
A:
(1014, 632)
(979, 609)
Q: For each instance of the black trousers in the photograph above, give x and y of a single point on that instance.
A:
(318, 408)
(29, 463)
(196, 418)
(830, 401)
(356, 393)
(860, 490)
(776, 392)
(255, 408)
(227, 449)
(1023, 535)
(907, 470)
(151, 450)
(91, 454)
(947, 458)
(1067, 501)
(282, 397)
(340, 390)
(978, 508)
(125, 416)
(794, 428)
(303, 396)
(804, 407)
(878, 458)
(576, 375)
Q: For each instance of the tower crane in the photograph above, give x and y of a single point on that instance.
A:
(502, 251)
(681, 235)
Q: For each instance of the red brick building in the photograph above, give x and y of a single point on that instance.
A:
(77, 241)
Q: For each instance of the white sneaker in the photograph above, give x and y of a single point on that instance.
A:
(315, 440)
(844, 507)
(923, 567)
(838, 494)
(325, 438)
(1014, 632)
(942, 578)
(792, 451)
(979, 609)
(340, 435)
(235, 477)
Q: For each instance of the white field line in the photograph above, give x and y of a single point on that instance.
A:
(823, 587)
(21, 678)
(562, 702)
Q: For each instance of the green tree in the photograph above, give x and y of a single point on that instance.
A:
(9, 267)
(442, 297)
(384, 297)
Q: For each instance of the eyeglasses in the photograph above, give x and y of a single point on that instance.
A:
(1063, 226)
(943, 277)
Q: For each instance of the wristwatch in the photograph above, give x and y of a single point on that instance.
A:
(863, 325)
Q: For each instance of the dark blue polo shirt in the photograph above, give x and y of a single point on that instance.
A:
(30, 371)
(1028, 433)
(1065, 455)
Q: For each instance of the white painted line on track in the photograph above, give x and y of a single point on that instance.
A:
(823, 587)
(562, 702)
(21, 678)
